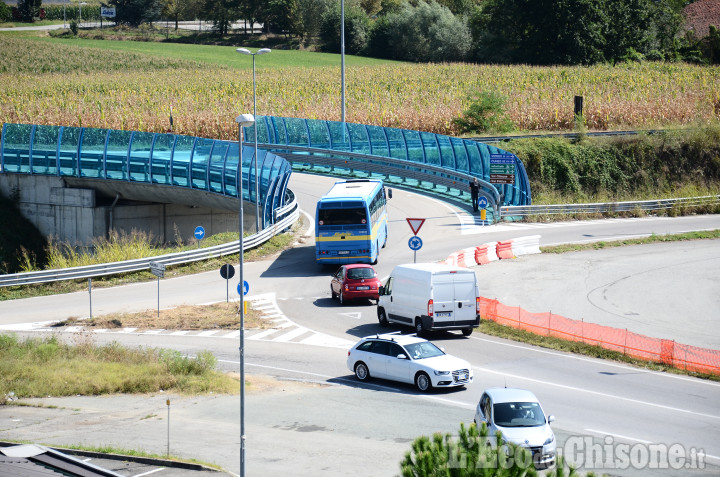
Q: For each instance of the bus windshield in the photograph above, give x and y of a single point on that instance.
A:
(342, 216)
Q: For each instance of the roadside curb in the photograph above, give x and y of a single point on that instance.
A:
(141, 460)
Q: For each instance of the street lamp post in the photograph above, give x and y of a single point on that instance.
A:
(80, 4)
(342, 61)
(245, 51)
(244, 121)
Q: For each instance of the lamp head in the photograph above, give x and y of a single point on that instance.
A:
(243, 51)
(245, 120)
(263, 51)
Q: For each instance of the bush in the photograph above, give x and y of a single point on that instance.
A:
(5, 12)
(485, 114)
(469, 455)
(427, 32)
(357, 26)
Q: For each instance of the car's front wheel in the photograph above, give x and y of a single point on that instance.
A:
(361, 371)
(382, 317)
(423, 383)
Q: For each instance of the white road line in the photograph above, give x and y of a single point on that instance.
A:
(263, 334)
(596, 361)
(207, 333)
(290, 335)
(619, 436)
(311, 221)
(597, 393)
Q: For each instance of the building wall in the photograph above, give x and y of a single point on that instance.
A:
(73, 214)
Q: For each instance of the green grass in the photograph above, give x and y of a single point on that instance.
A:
(212, 54)
(39, 367)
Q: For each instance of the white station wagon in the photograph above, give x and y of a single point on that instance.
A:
(408, 359)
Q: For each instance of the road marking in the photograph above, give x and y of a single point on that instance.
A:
(596, 361)
(355, 383)
(597, 393)
(620, 436)
(353, 314)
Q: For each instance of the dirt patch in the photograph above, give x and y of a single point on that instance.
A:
(184, 317)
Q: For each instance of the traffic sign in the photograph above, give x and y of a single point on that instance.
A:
(244, 289)
(227, 271)
(157, 269)
(415, 225)
(482, 202)
(199, 232)
(415, 243)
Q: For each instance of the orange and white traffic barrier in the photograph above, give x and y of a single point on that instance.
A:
(526, 245)
(505, 249)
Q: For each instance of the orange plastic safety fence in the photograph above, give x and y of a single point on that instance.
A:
(639, 346)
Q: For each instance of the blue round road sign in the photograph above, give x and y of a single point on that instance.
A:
(415, 243)
(482, 202)
(199, 232)
(244, 289)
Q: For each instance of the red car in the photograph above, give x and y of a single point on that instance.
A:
(353, 281)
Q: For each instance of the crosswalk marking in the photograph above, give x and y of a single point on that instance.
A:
(283, 329)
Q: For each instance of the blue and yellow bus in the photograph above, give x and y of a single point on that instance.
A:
(351, 222)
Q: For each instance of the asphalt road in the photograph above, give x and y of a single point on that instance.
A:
(317, 420)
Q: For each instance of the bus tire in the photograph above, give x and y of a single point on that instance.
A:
(385, 242)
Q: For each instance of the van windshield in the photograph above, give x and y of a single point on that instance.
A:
(423, 350)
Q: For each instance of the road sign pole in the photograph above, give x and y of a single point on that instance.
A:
(158, 278)
(90, 292)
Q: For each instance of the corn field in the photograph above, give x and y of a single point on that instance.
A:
(50, 83)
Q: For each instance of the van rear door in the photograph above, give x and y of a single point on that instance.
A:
(465, 290)
(453, 298)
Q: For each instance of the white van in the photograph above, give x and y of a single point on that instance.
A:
(430, 296)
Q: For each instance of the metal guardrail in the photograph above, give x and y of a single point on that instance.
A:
(573, 135)
(436, 175)
(608, 207)
(286, 215)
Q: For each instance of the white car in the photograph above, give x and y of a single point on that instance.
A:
(408, 359)
(517, 414)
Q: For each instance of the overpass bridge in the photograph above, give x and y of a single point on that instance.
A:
(78, 183)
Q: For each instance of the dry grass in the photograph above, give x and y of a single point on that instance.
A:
(425, 97)
(184, 317)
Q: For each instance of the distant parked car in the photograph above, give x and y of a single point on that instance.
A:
(354, 281)
(517, 414)
(408, 359)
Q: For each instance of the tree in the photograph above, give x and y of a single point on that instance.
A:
(473, 453)
(136, 12)
(357, 26)
(542, 31)
(428, 32)
(181, 10)
(222, 13)
(311, 13)
(29, 9)
(5, 12)
(283, 16)
(572, 31)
